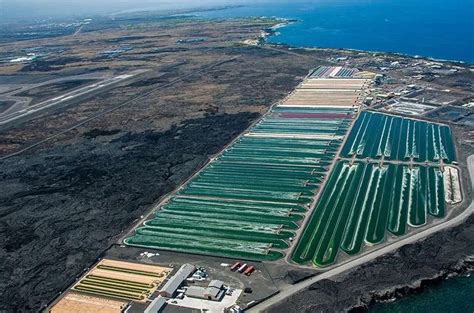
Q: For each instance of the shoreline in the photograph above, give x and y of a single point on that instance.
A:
(391, 295)
(284, 22)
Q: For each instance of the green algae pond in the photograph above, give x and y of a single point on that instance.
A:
(249, 201)
(376, 135)
(390, 185)
(362, 202)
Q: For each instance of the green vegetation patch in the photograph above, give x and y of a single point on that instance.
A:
(110, 293)
(127, 270)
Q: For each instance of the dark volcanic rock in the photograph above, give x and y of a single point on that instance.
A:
(49, 65)
(408, 270)
(60, 208)
(95, 132)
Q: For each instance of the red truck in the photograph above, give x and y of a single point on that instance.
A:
(249, 270)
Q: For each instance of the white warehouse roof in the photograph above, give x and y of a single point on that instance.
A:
(174, 282)
(216, 284)
(156, 305)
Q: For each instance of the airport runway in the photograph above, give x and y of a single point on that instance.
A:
(26, 112)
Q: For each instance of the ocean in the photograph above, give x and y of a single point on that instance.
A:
(437, 28)
(455, 295)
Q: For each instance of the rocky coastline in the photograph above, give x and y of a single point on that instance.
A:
(463, 267)
(409, 270)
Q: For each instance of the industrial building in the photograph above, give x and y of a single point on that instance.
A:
(156, 306)
(174, 282)
(214, 291)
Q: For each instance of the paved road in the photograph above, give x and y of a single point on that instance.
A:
(78, 30)
(81, 92)
(291, 290)
(12, 92)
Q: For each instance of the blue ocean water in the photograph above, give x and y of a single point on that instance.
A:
(436, 28)
(456, 295)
